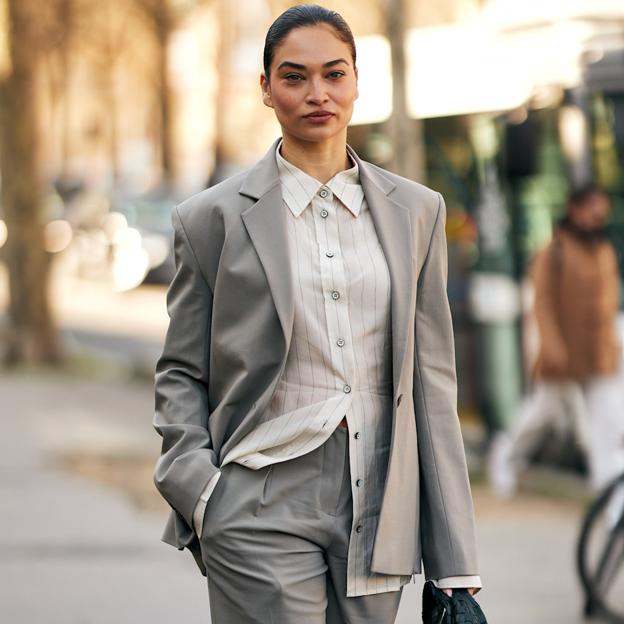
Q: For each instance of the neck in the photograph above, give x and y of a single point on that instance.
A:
(321, 160)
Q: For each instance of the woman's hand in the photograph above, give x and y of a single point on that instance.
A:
(471, 590)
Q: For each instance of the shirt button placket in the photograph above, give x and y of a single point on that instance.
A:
(335, 295)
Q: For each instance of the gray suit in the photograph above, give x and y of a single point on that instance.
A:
(231, 309)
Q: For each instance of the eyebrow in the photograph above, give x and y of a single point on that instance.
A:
(299, 66)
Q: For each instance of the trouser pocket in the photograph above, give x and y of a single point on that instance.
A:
(238, 494)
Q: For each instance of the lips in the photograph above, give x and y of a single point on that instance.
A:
(319, 115)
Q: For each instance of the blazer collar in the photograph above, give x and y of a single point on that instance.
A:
(264, 175)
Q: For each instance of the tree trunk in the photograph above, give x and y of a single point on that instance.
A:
(31, 335)
(66, 16)
(161, 18)
(224, 78)
(404, 132)
(110, 96)
(163, 26)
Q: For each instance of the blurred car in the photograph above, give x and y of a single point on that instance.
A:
(151, 219)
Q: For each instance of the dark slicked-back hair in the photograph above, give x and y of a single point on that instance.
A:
(301, 16)
(579, 196)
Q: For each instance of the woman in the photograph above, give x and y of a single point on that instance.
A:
(306, 394)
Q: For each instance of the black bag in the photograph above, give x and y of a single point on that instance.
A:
(460, 608)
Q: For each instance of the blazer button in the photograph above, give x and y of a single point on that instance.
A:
(399, 399)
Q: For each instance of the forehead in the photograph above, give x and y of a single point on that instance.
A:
(311, 46)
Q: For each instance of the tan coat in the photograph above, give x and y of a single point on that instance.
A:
(576, 301)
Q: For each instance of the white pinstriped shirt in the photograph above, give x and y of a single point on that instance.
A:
(340, 361)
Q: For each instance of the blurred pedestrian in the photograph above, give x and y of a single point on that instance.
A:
(306, 393)
(577, 370)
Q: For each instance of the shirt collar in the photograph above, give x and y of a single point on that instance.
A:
(298, 188)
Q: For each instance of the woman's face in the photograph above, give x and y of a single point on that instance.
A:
(592, 214)
(313, 84)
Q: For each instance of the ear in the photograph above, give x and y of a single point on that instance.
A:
(357, 92)
(266, 91)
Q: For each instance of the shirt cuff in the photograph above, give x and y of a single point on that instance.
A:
(458, 582)
(200, 508)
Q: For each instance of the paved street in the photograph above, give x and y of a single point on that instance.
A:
(80, 523)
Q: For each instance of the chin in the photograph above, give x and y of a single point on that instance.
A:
(315, 135)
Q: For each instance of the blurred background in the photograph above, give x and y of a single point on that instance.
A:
(112, 111)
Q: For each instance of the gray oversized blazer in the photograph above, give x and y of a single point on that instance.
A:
(231, 318)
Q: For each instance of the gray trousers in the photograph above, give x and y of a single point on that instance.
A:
(275, 540)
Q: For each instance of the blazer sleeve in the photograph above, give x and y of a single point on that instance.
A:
(446, 509)
(187, 461)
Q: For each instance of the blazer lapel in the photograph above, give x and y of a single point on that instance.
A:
(392, 223)
(265, 221)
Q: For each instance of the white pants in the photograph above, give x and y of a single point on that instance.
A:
(595, 408)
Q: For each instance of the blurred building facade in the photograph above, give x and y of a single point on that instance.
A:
(520, 102)
(515, 103)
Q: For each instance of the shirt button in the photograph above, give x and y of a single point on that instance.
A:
(346, 388)
(323, 193)
(329, 254)
(335, 295)
(356, 435)
(358, 528)
(324, 213)
(340, 342)
(358, 483)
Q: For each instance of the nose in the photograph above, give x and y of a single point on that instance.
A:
(316, 91)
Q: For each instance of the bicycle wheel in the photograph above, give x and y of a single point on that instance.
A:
(600, 554)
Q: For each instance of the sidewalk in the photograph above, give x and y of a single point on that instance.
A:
(74, 551)
(80, 523)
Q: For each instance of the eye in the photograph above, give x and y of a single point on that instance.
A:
(335, 75)
(293, 77)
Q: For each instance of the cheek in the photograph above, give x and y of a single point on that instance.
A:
(346, 97)
(285, 102)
